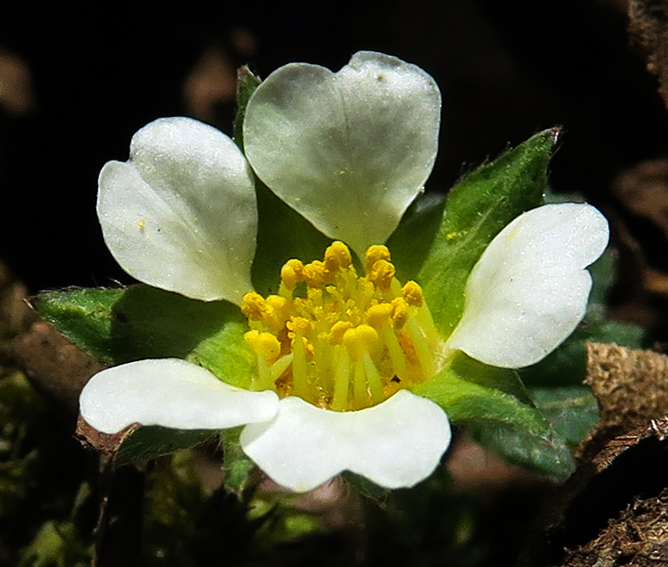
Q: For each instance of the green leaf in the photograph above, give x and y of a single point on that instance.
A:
(247, 82)
(476, 210)
(133, 323)
(146, 443)
(501, 419)
(572, 411)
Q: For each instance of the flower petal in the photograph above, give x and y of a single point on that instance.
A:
(172, 393)
(347, 150)
(395, 444)
(181, 213)
(529, 289)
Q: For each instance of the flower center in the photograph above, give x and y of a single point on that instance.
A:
(339, 340)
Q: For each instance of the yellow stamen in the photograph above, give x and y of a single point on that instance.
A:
(253, 306)
(382, 274)
(412, 293)
(343, 341)
(375, 253)
(263, 344)
(360, 340)
(337, 256)
(291, 274)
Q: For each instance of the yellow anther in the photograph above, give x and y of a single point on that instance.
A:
(412, 293)
(337, 256)
(299, 325)
(342, 341)
(335, 336)
(316, 274)
(277, 312)
(382, 274)
(360, 340)
(375, 253)
(253, 306)
(263, 344)
(376, 315)
(291, 273)
(400, 313)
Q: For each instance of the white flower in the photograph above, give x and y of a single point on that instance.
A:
(349, 151)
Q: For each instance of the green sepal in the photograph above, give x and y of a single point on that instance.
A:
(476, 210)
(247, 82)
(365, 487)
(140, 443)
(283, 234)
(240, 473)
(411, 242)
(503, 420)
(138, 322)
(150, 442)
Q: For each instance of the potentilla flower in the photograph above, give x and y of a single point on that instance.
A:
(339, 346)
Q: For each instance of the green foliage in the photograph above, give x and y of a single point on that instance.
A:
(494, 406)
(572, 411)
(476, 210)
(121, 325)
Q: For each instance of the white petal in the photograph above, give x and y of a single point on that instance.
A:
(395, 444)
(181, 213)
(172, 393)
(529, 290)
(348, 150)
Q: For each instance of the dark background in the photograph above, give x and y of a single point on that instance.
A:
(506, 70)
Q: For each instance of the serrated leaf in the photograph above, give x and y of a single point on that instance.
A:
(502, 420)
(476, 210)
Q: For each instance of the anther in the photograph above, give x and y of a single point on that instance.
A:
(360, 340)
(291, 273)
(337, 256)
(253, 306)
(400, 312)
(299, 325)
(316, 274)
(335, 336)
(382, 274)
(412, 293)
(263, 344)
(375, 253)
(378, 314)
